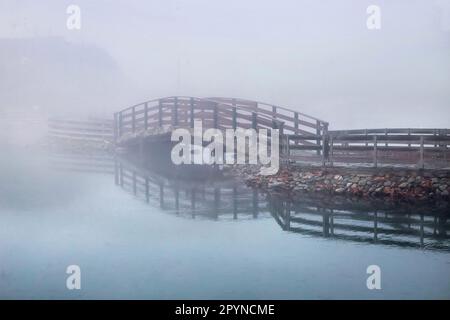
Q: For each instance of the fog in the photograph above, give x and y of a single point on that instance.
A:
(317, 57)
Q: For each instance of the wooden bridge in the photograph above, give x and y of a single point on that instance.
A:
(303, 139)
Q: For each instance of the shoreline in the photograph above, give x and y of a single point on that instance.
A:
(388, 183)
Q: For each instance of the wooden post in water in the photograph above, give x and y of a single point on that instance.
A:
(255, 203)
(177, 200)
(121, 174)
(234, 202)
(116, 171)
(193, 203)
(375, 151)
(161, 195)
(134, 183)
(147, 191)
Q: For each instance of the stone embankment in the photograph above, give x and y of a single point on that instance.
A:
(392, 183)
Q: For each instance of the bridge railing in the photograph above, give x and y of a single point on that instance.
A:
(89, 129)
(414, 146)
(222, 113)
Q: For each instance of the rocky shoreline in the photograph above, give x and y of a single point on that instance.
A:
(369, 183)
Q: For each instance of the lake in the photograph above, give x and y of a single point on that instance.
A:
(137, 234)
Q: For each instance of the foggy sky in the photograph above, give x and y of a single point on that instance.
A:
(317, 57)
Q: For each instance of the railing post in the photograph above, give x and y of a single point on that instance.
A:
(409, 134)
(367, 142)
(215, 116)
(287, 149)
(160, 113)
(318, 133)
(386, 134)
(116, 133)
(324, 143)
(375, 151)
(280, 127)
(274, 112)
(120, 131)
(175, 112)
(254, 120)
(331, 150)
(234, 115)
(133, 119)
(146, 116)
(192, 112)
(421, 154)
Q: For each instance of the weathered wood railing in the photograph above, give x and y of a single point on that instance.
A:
(420, 147)
(91, 129)
(302, 137)
(221, 113)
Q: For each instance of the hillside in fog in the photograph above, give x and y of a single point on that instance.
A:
(54, 75)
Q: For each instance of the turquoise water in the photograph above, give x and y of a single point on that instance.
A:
(233, 243)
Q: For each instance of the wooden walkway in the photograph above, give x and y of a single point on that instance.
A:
(303, 138)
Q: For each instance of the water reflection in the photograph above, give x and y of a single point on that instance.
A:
(410, 225)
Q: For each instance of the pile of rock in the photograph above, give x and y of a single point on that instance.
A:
(394, 184)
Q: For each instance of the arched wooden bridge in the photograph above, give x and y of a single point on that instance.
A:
(303, 138)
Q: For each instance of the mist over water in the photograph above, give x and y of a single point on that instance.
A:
(142, 229)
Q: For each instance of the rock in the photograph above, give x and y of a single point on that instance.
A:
(275, 185)
(444, 193)
(339, 190)
(362, 182)
(387, 184)
(301, 187)
(403, 185)
(443, 187)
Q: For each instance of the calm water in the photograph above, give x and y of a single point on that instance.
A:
(137, 234)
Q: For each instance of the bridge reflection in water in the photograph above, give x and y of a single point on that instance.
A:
(378, 222)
